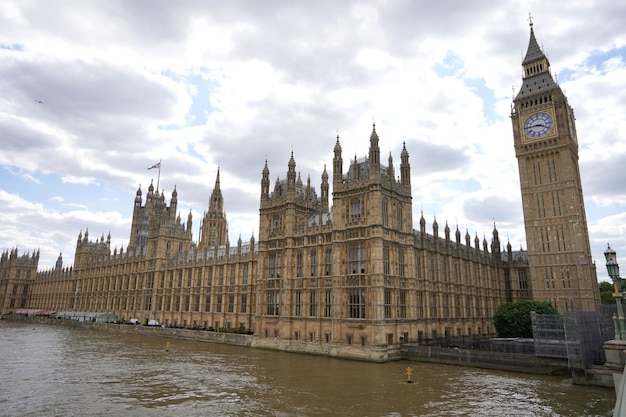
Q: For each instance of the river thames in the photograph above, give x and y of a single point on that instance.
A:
(49, 370)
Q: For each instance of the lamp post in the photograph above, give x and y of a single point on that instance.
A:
(612, 267)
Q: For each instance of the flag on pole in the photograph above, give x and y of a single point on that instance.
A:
(157, 165)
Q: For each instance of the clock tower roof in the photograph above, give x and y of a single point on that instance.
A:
(534, 52)
(537, 78)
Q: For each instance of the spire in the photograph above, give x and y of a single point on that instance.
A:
(291, 175)
(216, 204)
(534, 52)
(337, 148)
(337, 164)
(324, 189)
(374, 149)
(405, 167)
(138, 196)
(174, 200)
(390, 171)
(495, 243)
(292, 163)
(536, 67)
(265, 182)
(150, 194)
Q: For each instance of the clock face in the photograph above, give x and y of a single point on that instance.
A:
(538, 125)
(572, 125)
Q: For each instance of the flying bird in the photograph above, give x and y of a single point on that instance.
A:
(39, 101)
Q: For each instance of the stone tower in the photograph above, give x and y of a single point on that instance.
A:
(156, 229)
(17, 273)
(214, 228)
(372, 213)
(546, 146)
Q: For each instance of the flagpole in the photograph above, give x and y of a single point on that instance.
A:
(159, 176)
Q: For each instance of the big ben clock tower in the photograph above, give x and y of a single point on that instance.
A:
(562, 271)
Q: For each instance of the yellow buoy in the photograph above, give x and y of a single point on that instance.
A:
(409, 372)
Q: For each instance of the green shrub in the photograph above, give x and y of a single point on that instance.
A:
(513, 319)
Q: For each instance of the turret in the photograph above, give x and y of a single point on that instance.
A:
(265, 182)
(324, 190)
(374, 155)
(291, 176)
(138, 199)
(174, 200)
(495, 243)
(390, 171)
(337, 164)
(405, 167)
(150, 194)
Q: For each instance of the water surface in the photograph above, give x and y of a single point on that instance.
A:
(51, 370)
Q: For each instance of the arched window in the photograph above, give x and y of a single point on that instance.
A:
(385, 213)
(355, 209)
(276, 225)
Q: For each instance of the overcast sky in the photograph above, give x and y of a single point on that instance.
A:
(92, 93)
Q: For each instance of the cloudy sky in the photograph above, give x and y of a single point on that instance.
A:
(93, 93)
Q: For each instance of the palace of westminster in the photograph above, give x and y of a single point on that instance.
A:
(347, 275)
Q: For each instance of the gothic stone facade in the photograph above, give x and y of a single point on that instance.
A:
(352, 278)
(347, 277)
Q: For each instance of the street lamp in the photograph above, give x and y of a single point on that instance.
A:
(612, 268)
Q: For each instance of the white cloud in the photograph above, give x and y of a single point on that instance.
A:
(231, 84)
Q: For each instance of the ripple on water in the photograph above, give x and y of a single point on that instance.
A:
(52, 370)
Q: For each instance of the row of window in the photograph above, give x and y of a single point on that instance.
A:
(18, 273)
(357, 263)
(172, 281)
(451, 306)
(537, 101)
(229, 303)
(356, 303)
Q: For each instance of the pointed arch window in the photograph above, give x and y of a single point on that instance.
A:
(385, 213)
(356, 209)
(276, 224)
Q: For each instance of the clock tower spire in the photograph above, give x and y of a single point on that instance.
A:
(562, 271)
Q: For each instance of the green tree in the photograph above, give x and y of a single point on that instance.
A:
(606, 292)
(513, 319)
